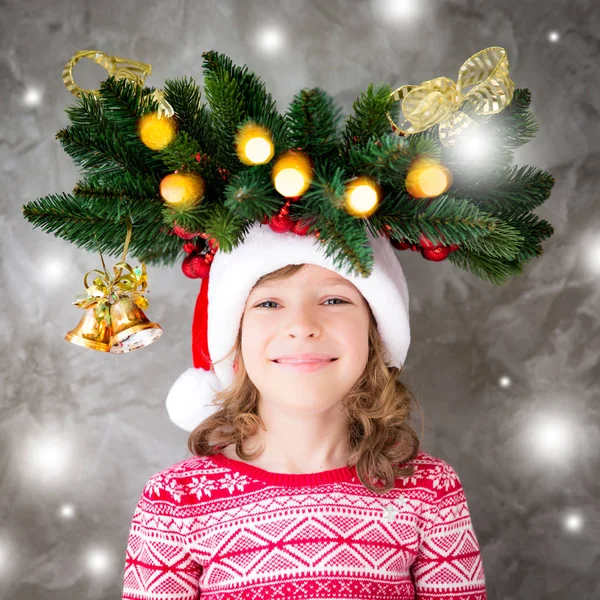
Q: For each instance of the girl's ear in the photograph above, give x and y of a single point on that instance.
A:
(235, 364)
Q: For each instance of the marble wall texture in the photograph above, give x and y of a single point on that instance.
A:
(508, 377)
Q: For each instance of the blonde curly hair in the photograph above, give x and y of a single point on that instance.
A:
(378, 408)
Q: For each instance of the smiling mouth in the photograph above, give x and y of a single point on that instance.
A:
(302, 362)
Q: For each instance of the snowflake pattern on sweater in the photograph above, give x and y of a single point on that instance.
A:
(216, 528)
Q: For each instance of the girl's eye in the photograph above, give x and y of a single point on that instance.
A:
(273, 302)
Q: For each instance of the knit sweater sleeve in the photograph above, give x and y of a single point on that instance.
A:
(158, 563)
(448, 563)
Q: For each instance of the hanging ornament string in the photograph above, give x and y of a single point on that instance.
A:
(437, 101)
(106, 290)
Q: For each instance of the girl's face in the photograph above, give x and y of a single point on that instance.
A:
(314, 310)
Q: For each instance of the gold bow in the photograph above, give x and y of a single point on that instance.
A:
(437, 101)
(106, 289)
(121, 68)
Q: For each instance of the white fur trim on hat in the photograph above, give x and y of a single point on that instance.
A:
(189, 399)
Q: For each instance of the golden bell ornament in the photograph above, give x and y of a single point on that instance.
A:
(131, 329)
(90, 333)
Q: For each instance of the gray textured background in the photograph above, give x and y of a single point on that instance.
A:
(507, 377)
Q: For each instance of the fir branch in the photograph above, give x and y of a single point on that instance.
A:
(181, 154)
(505, 191)
(369, 120)
(326, 195)
(123, 104)
(496, 271)
(236, 96)
(227, 108)
(137, 187)
(250, 194)
(191, 218)
(191, 115)
(102, 151)
(226, 227)
(87, 223)
(388, 159)
(87, 111)
(534, 230)
(312, 121)
(512, 127)
(346, 243)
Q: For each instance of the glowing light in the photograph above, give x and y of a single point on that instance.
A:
(155, 131)
(253, 144)
(397, 10)
(472, 146)
(362, 197)
(32, 97)
(67, 511)
(505, 381)
(590, 247)
(49, 457)
(554, 36)
(270, 39)
(54, 269)
(5, 556)
(292, 174)
(573, 522)
(258, 150)
(551, 438)
(182, 189)
(97, 561)
(427, 179)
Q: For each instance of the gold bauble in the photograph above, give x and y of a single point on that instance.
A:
(292, 174)
(427, 179)
(253, 144)
(156, 133)
(362, 197)
(182, 190)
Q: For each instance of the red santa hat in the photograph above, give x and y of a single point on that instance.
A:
(222, 299)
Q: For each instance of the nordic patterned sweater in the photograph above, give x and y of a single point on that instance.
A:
(216, 528)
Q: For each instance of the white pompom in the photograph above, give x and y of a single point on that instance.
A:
(189, 401)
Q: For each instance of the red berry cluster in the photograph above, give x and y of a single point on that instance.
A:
(224, 173)
(197, 265)
(282, 222)
(428, 249)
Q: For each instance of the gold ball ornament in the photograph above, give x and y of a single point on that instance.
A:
(254, 145)
(427, 178)
(362, 197)
(182, 190)
(155, 131)
(292, 174)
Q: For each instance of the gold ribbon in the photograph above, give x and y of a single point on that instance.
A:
(121, 68)
(437, 101)
(106, 289)
(164, 108)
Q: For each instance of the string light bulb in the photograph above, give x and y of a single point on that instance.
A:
(362, 197)
(427, 178)
(254, 145)
(292, 174)
(182, 190)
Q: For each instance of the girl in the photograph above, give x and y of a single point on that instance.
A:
(306, 481)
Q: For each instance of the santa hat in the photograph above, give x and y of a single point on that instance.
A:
(222, 299)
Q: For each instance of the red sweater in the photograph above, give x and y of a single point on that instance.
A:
(216, 528)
